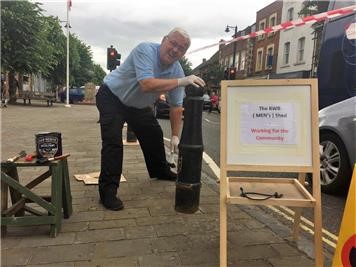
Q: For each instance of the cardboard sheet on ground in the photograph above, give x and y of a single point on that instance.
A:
(92, 178)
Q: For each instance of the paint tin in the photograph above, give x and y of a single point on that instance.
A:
(48, 144)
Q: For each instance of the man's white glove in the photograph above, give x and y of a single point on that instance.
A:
(191, 79)
(174, 144)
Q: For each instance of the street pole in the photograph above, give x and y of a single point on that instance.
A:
(227, 29)
(67, 104)
(234, 53)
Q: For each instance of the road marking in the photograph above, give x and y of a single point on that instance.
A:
(311, 224)
(209, 161)
(213, 122)
(305, 228)
(216, 170)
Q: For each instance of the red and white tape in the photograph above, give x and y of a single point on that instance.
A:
(286, 25)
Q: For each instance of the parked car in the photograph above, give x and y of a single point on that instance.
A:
(337, 127)
(207, 102)
(161, 107)
(75, 95)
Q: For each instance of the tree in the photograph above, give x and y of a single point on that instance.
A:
(99, 75)
(35, 44)
(186, 65)
(54, 34)
(213, 74)
(21, 26)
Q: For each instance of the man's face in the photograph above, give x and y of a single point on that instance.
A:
(173, 48)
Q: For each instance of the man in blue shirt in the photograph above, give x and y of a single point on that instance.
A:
(127, 95)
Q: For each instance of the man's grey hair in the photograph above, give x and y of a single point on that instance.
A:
(181, 32)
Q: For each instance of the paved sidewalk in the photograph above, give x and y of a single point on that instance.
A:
(148, 232)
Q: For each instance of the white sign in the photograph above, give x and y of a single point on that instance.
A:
(268, 124)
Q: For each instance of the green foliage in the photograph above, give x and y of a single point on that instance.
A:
(99, 75)
(311, 7)
(22, 37)
(81, 65)
(54, 34)
(186, 65)
(33, 43)
(213, 74)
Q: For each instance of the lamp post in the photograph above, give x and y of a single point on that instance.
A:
(67, 72)
(227, 29)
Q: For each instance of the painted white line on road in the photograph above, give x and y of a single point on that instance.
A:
(209, 161)
(216, 170)
(213, 166)
(213, 122)
(311, 224)
(305, 228)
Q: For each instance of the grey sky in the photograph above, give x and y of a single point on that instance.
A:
(124, 24)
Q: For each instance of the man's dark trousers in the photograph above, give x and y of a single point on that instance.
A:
(113, 115)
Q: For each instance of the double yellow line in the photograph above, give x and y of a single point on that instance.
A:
(306, 225)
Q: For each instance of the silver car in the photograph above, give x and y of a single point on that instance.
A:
(337, 127)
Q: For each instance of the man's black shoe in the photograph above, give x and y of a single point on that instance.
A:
(113, 204)
(168, 175)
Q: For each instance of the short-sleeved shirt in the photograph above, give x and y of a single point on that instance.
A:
(142, 63)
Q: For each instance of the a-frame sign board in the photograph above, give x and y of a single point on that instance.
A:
(270, 126)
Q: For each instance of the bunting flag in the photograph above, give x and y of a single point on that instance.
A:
(286, 25)
(69, 4)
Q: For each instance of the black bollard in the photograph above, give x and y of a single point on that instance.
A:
(190, 153)
(130, 135)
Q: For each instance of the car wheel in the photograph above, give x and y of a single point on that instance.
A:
(335, 171)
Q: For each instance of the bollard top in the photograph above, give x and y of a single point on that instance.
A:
(191, 90)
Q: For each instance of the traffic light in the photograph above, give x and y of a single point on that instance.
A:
(113, 58)
(232, 73)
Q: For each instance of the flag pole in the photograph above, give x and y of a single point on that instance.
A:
(68, 7)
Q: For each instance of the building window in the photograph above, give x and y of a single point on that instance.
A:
(269, 57)
(286, 52)
(272, 22)
(290, 14)
(261, 26)
(242, 60)
(259, 59)
(300, 54)
(237, 60)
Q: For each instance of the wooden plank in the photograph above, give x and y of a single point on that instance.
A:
(318, 243)
(27, 220)
(38, 180)
(4, 200)
(23, 190)
(223, 179)
(66, 193)
(56, 193)
(291, 189)
(268, 168)
(34, 211)
(298, 212)
(14, 208)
